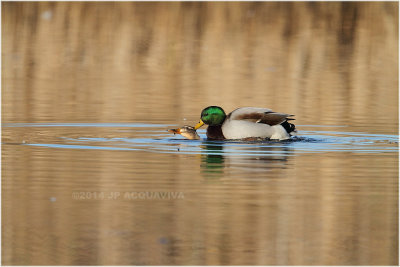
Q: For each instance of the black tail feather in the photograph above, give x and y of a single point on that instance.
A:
(289, 127)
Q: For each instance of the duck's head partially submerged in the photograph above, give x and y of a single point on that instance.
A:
(186, 131)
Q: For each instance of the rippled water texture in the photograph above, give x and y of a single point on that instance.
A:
(91, 176)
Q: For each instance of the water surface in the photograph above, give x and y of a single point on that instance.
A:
(136, 191)
(90, 175)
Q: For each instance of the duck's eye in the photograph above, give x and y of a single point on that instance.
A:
(205, 114)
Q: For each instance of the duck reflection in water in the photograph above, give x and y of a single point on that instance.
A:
(247, 157)
(212, 159)
(254, 154)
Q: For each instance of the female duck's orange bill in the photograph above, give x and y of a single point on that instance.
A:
(175, 131)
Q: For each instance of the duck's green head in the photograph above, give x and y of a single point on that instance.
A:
(212, 116)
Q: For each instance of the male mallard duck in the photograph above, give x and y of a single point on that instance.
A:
(186, 131)
(246, 122)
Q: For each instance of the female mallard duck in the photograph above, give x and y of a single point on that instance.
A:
(246, 122)
(186, 131)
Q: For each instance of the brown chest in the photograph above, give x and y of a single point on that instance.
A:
(215, 133)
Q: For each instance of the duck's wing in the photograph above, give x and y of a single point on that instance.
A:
(259, 115)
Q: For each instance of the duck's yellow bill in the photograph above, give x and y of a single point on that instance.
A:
(198, 125)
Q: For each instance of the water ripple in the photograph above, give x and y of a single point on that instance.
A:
(154, 138)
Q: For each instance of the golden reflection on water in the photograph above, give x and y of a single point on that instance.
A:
(328, 63)
(290, 212)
